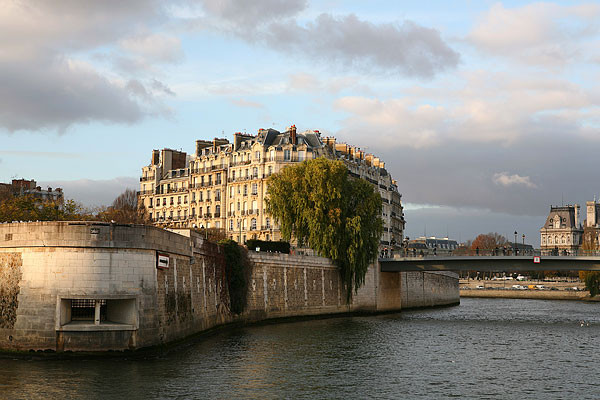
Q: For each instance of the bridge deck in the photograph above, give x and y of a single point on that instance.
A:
(490, 263)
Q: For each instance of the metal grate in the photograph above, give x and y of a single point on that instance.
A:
(85, 309)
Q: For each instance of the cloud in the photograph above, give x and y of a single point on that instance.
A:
(94, 193)
(465, 223)
(305, 82)
(504, 179)
(483, 107)
(47, 85)
(246, 103)
(539, 33)
(240, 14)
(44, 154)
(402, 48)
(161, 47)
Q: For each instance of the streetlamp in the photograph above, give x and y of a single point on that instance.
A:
(515, 251)
(205, 231)
(523, 243)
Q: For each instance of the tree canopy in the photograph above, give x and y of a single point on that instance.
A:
(488, 241)
(30, 208)
(321, 207)
(125, 210)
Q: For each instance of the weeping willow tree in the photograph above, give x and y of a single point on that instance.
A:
(321, 207)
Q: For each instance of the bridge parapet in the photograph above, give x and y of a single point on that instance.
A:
(491, 263)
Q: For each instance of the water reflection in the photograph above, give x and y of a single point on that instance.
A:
(484, 348)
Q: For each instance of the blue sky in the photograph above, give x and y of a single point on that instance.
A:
(485, 112)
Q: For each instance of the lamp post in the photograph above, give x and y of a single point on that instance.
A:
(515, 250)
(523, 243)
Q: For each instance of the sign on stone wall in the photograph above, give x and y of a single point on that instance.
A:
(162, 260)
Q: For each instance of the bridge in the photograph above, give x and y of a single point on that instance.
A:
(490, 263)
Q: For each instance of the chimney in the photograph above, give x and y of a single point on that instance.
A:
(293, 134)
(155, 157)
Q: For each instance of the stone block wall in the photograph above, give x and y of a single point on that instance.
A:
(45, 266)
(429, 289)
(283, 285)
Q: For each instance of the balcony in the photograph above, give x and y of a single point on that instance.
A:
(208, 215)
(147, 178)
(145, 192)
(217, 215)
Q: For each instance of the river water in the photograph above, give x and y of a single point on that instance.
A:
(484, 348)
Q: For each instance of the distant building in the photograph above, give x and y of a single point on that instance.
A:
(433, 245)
(24, 187)
(562, 231)
(591, 227)
(223, 185)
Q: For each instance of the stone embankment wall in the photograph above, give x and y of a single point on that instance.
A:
(528, 294)
(49, 269)
(428, 289)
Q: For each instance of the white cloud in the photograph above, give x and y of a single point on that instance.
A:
(45, 82)
(403, 48)
(94, 193)
(484, 107)
(155, 46)
(246, 103)
(504, 179)
(539, 33)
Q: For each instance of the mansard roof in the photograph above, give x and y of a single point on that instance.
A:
(566, 215)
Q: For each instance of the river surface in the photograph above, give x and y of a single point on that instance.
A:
(484, 348)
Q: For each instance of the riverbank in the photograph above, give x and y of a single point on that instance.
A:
(528, 294)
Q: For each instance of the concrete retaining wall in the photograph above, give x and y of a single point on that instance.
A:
(47, 268)
(428, 289)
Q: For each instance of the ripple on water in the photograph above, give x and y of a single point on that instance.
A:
(484, 348)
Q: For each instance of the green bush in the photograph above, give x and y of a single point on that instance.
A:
(275, 247)
(237, 267)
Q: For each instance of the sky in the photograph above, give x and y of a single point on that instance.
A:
(486, 113)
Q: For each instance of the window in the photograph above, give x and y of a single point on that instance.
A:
(171, 201)
(253, 224)
(257, 156)
(268, 223)
(270, 170)
(233, 175)
(230, 224)
(286, 155)
(254, 189)
(245, 190)
(164, 201)
(231, 191)
(185, 199)
(301, 155)
(217, 211)
(178, 199)
(218, 195)
(238, 206)
(272, 155)
(193, 196)
(255, 172)
(218, 224)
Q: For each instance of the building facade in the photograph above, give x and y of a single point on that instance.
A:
(562, 232)
(223, 184)
(432, 245)
(24, 187)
